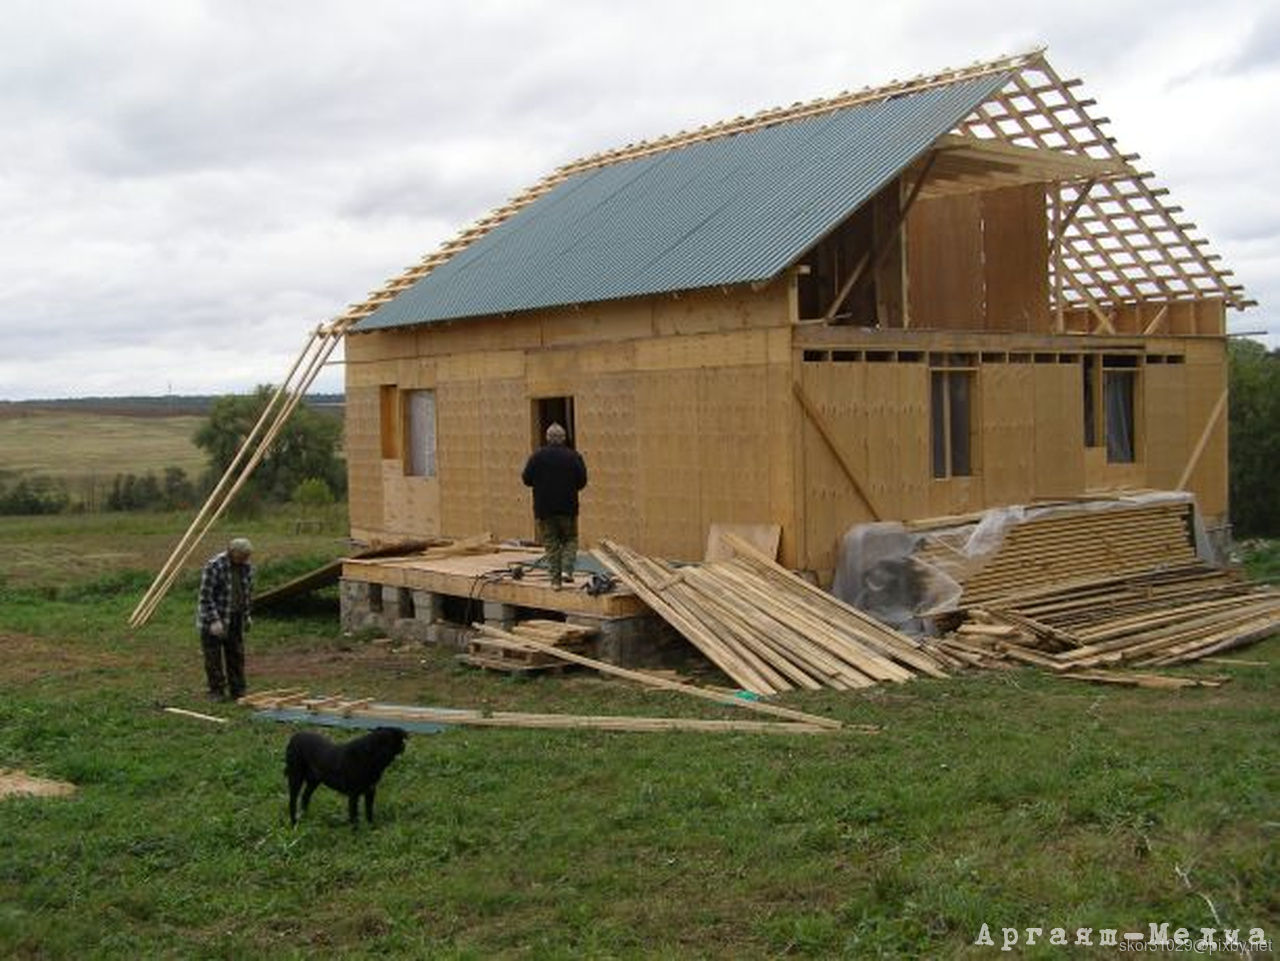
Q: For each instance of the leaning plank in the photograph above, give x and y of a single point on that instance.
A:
(887, 640)
(791, 613)
(651, 680)
(679, 617)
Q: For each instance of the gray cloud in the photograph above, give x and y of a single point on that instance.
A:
(189, 188)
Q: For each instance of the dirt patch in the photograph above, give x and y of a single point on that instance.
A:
(29, 658)
(19, 783)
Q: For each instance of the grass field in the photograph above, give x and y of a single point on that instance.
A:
(87, 449)
(1011, 799)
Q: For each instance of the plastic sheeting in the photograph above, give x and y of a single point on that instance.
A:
(881, 570)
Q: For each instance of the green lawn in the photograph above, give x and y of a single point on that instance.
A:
(1010, 798)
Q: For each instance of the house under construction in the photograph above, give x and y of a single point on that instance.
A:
(918, 300)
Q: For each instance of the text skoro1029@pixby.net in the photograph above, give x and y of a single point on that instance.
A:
(1158, 937)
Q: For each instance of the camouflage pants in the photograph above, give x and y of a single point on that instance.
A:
(559, 535)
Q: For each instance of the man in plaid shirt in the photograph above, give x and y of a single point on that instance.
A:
(222, 617)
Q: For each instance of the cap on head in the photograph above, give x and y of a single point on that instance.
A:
(556, 434)
(240, 546)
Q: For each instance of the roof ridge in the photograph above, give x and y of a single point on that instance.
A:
(802, 110)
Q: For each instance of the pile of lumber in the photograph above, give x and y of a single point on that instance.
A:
(483, 651)
(1065, 544)
(1156, 619)
(768, 629)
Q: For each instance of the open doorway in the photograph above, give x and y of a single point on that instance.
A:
(552, 410)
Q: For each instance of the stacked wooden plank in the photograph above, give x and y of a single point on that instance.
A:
(1155, 619)
(766, 628)
(1067, 545)
(485, 652)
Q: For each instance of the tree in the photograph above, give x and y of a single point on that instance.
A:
(305, 447)
(34, 495)
(1254, 424)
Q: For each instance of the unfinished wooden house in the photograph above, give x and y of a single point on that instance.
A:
(925, 299)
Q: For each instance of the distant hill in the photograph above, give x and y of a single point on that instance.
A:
(170, 405)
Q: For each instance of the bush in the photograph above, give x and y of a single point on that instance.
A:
(35, 495)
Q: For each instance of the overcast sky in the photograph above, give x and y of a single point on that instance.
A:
(188, 187)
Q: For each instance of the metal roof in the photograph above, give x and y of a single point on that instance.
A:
(729, 210)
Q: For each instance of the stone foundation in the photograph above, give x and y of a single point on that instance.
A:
(413, 615)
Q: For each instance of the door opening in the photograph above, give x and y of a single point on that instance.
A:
(552, 410)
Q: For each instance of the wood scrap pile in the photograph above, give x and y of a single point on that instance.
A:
(1155, 619)
(483, 652)
(768, 629)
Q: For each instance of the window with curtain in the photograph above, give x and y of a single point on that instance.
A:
(420, 415)
(951, 422)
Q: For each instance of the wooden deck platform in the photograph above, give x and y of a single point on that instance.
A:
(490, 577)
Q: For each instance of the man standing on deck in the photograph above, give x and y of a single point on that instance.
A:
(556, 472)
(222, 616)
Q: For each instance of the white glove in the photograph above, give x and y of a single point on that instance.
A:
(216, 629)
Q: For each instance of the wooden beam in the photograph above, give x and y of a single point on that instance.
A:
(861, 269)
(1156, 320)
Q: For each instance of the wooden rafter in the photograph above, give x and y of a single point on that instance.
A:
(1125, 245)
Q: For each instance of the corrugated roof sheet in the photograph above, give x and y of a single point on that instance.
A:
(731, 210)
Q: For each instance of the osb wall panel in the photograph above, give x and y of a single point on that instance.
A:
(1206, 381)
(363, 448)
(412, 504)
(700, 452)
(605, 421)
(1164, 442)
(828, 504)
(735, 309)
(1006, 398)
(668, 487)
(1016, 259)
(879, 414)
(944, 263)
(1059, 435)
(483, 440)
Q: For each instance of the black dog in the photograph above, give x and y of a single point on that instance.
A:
(352, 768)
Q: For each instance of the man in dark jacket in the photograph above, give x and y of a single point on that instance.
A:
(556, 472)
(222, 617)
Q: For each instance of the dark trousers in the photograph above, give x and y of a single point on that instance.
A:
(224, 658)
(559, 535)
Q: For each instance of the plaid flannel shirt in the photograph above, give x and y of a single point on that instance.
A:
(215, 591)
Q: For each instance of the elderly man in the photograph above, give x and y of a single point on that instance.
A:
(556, 472)
(222, 617)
